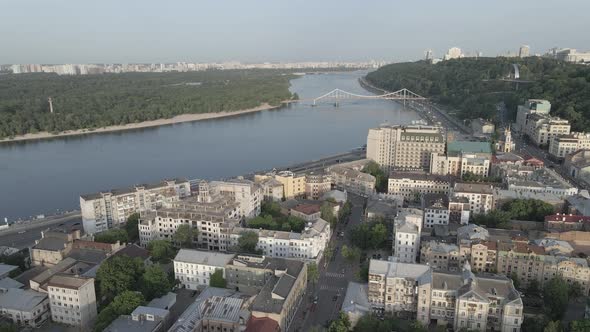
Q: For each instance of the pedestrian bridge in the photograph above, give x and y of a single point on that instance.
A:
(337, 95)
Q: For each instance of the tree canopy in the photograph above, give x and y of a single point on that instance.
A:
(154, 282)
(528, 209)
(131, 227)
(184, 235)
(381, 178)
(556, 295)
(271, 218)
(369, 235)
(95, 101)
(122, 304)
(161, 250)
(474, 85)
(248, 241)
(118, 274)
(111, 236)
(217, 280)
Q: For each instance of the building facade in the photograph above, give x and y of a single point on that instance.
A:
(404, 147)
(412, 185)
(193, 268)
(479, 195)
(72, 300)
(104, 210)
(246, 193)
(317, 184)
(25, 308)
(352, 180)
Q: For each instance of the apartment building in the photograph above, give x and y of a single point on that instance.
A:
(532, 106)
(441, 256)
(406, 241)
(541, 129)
(412, 185)
(561, 146)
(352, 180)
(246, 193)
(293, 184)
(25, 308)
(109, 209)
(439, 209)
(404, 147)
(317, 184)
(72, 300)
(307, 245)
(279, 285)
(566, 222)
(462, 157)
(212, 215)
(463, 300)
(482, 255)
(193, 268)
(272, 189)
(479, 195)
(53, 247)
(541, 180)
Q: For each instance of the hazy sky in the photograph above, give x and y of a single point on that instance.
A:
(87, 31)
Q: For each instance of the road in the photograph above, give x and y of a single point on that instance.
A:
(24, 235)
(333, 280)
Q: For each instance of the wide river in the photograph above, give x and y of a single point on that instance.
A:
(45, 176)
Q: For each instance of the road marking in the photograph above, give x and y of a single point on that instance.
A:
(334, 275)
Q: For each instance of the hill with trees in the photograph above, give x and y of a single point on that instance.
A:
(96, 101)
(473, 86)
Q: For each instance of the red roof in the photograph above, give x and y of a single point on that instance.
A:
(262, 324)
(307, 209)
(533, 162)
(567, 218)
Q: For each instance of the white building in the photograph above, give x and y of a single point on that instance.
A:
(561, 146)
(411, 185)
(193, 268)
(542, 180)
(532, 106)
(104, 210)
(524, 51)
(454, 53)
(307, 245)
(246, 193)
(25, 308)
(406, 241)
(479, 195)
(72, 300)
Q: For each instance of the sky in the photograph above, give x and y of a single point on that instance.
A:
(123, 31)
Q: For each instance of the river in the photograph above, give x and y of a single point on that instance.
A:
(45, 176)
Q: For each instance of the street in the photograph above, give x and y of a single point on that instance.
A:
(24, 235)
(333, 279)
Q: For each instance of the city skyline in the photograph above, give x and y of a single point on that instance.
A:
(264, 31)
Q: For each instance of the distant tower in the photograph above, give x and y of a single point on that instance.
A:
(507, 140)
(50, 105)
(428, 55)
(524, 51)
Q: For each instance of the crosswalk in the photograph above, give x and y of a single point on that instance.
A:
(334, 275)
(331, 288)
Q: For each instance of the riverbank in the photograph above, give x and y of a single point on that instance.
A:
(130, 126)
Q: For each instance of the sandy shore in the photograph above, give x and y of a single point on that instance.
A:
(130, 126)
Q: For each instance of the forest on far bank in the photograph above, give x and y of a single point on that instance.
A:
(473, 86)
(96, 101)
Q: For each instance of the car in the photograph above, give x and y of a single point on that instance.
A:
(315, 299)
(334, 298)
(22, 232)
(194, 293)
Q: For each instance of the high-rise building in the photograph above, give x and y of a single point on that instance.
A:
(428, 55)
(524, 51)
(532, 106)
(404, 147)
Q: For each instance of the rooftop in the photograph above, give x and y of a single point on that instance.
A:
(68, 281)
(122, 191)
(219, 308)
(125, 323)
(468, 147)
(203, 257)
(133, 251)
(20, 299)
(356, 298)
(420, 176)
(568, 218)
(307, 209)
(262, 324)
(6, 269)
(10, 283)
(477, 188)
(435, 201)
(397, 269)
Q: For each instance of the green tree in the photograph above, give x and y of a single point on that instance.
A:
(185, 235)
(271, 208)
(575, 290)
(131, 227)
(327, 213)
(381, 179)
(345, 211)
(111, 236)
(364, 273)
(118, 274)
(580, 325)
(533, 325)
(248, 241)
(533, 287)
(328, 253)
(554, 326)
(313, 274)
(493, 219)
(161, 250)
(217, 280)
(528, 209)
(342, 324)
(154, 282)
(8, 327)
(122, 304)
(378, 235)
(351, 254)
(555, 293)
